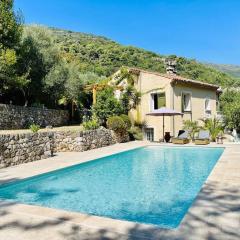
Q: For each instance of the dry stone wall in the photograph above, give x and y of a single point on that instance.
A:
(16, 117)
(23, 148)
(82, 141)
(28, 147)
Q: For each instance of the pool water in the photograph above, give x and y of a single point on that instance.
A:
(151, 185)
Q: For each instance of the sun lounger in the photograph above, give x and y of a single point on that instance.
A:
(182, 137)
(203, 138)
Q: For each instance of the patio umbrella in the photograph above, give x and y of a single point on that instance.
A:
(163, 111)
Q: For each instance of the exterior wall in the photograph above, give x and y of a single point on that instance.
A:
(198, 104)
(147, 84)
(16, 117)
(150, 83)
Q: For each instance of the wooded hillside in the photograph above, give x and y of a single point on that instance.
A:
(104, 56)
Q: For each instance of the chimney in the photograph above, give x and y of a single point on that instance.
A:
(171, 66)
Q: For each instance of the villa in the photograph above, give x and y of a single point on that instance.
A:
(195, 99)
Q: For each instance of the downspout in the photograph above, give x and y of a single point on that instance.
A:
(173, 107)
(140, 105)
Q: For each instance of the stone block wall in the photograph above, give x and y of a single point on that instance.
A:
(16, 117)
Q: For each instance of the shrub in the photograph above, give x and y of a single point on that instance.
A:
(126, 120)
(192, 127)
(140, 124)
(107, 105)
(214, 126)
(91, 124)
(34, 128)
(135, 133)
(117, 124)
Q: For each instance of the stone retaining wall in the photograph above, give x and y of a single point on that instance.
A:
(82, 141)
(28, 147)
(16, 117)
(23, 148)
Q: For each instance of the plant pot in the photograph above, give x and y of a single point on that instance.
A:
(167, 137)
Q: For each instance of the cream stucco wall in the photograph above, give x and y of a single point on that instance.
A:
(149, 83)
(198, 96)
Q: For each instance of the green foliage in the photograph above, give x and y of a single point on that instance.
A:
(34, 128)
(91, 124)
(103, 56)
(126, 120)
(140, 124)
(10, 25)
(130, 98)
(230, 105)
(135, 133)
(107, 105)
(40, 57)
(192, 127)
(214, 126)
(116, 124)
(124, 74)
(10, 34)
(197, 71)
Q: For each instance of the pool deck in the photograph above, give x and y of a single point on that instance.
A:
(215, 214)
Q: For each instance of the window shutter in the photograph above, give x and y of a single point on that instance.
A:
(161, 100)
(182, 102)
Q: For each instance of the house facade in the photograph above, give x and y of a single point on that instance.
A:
(195, 99)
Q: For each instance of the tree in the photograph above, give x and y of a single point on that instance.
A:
(107, 105)
(10, 34)
(230, 105)
(39, 57)
(192, 127)
(214, 126)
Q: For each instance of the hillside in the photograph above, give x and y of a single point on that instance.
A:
(104, 56)
(233, 70)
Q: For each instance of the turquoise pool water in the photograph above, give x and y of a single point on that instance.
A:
(152, 185)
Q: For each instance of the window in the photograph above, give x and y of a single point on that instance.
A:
(158, 100)
(186, 102)
(207, 107)
(149, 134)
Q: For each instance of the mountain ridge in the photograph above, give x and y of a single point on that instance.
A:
(104, 56)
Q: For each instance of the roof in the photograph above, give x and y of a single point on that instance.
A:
(176, 78)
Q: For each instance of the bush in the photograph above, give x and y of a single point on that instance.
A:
(126, 120)
(107, 105)
(117, 124)
(34, 128)
(214, 126)
(135, 133)
(91, 124)
(192, 127)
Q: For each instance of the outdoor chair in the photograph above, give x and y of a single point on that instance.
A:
(203, 137)
(182, 137)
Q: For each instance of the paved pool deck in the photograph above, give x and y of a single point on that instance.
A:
(215, 214)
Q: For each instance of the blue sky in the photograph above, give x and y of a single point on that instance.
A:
(206, 30)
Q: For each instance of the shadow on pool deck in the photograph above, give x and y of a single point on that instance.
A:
(215, 215)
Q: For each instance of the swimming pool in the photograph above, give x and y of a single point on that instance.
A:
(152, 185)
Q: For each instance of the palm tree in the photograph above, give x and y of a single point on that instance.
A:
(214, 126)
(192, 127)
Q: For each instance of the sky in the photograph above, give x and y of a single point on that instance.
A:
(206, 30)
